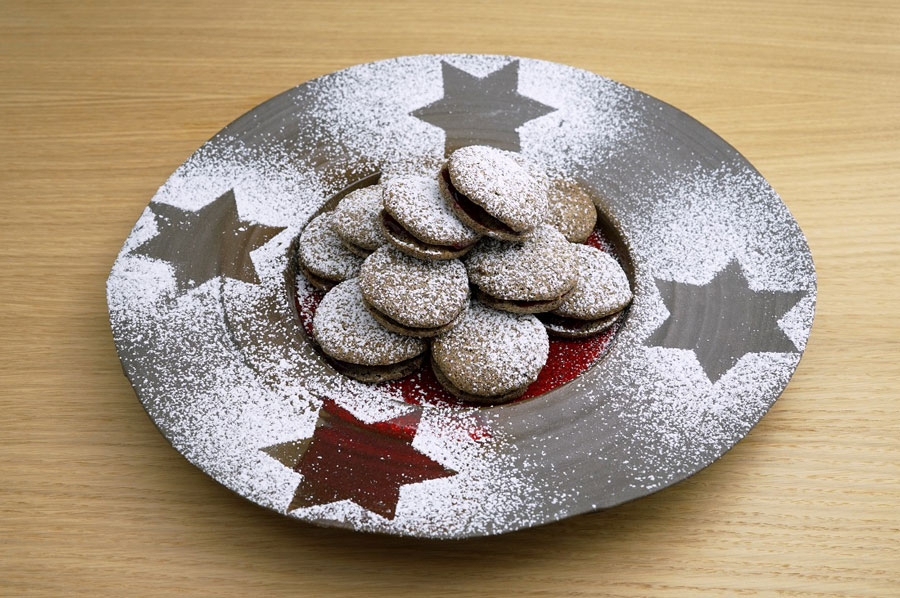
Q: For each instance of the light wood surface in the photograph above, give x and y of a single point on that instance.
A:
(99, 102)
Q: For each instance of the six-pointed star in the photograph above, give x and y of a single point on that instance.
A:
(207, 243)
(481, 110)
(723, 320)
(349, 459)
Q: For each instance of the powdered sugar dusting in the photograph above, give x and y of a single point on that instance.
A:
(322, 252)
(416, 293)
(492, 352)
(346, 330)
(540, 268)
(356, 218)
(602, 287)
(417, 204)
(498, 182)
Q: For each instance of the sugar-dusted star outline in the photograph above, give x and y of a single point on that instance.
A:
(347, 459)
(723, 320)
(212, 241)
(481, 110)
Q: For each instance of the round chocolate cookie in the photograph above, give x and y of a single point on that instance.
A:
(493, 191)
(602, 291)
(322, 258)
(414, 297)
(491, 356)
(419, 222)
(530, 276)
(570, 210)
(357, 218)
(357, 345)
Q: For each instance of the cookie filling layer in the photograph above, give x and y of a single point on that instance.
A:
(531, 306)
(396, 229)
(473, 210)
(318, 282)
(573, 324)
(572, 328)
(376, 373)
(419, 332)
(472, 398)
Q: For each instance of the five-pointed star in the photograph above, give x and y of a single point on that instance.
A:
(481, 110)
(723, 319)
(349, 459)
(207, 243)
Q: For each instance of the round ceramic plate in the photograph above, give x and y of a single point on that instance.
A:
(208, 313)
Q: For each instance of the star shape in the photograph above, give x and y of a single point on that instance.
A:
(723, 320)
(349, 459)
(481, 110)
(211, 242)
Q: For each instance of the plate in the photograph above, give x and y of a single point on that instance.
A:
(207, 310)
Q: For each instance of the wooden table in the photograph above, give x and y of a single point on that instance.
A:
(100, 102)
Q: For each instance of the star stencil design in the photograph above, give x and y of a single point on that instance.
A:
(365, 463)
(723, 320)
(481, 110)
(210, 242)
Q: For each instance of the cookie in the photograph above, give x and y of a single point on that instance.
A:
(493, 191)
(357, 345)
(570, 210)
(321, 256)
(419, 222)
(411, 296)
(492, 356)
(356, 220)
(601, 292)
(530, 276)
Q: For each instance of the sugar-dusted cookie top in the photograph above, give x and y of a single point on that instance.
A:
(356, 219)
(345, 330)
(499, 182)
(570, 210)
(540, 268)
(415, 293)
(322, 253)
(417, 205)
(601, 289)
(492, 352)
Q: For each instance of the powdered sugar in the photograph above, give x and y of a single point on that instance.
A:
(417, 204)
(346, 330)
(322, 252)
(491, 352)
(540, 268)
(416, 293)
(497, 182)
(356, 218)
(602, 287)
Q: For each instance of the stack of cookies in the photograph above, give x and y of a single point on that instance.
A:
(478, 264)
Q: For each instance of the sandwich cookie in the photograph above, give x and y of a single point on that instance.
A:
(531, 276)
(570, 210)
(419, 222)
(602, 291)
(414, 297)
(357, 345)
(493, 191)
(322, 258)
(356, 220)
(491, 356)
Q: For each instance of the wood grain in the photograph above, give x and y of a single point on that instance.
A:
(101, 101)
